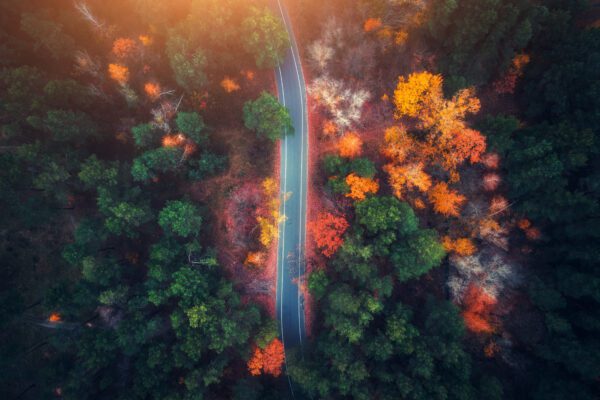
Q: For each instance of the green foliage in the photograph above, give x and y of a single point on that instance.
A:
(154, 162)
(418, 254)
(47, 34)
(180, 218)
(498, 132)
(188, 64)
(265, 37)
(191, 124)
(126, 219)
(478, 39)
(96, 173)
(267, 117)
(73, 126)
(67, 94)
(145, 136)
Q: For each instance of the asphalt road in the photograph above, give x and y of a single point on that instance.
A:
(293, 183)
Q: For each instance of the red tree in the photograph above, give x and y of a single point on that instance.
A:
(327, 231)
(478, 307)
(269, 360)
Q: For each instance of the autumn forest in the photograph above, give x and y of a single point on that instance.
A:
(300, 199)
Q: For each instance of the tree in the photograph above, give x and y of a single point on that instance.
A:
(407, 176)
(268, 360)
(151, 163)
(350, 145)
(125, 218)
(381, 214)
(478, 39)
(47, 34)
(417, 254)
(70, 126)
(96, 173)
(445, 200)
(192, 125)
(478, 306)
(145, 136)
(359, 187)
(124, 48)
(417, 93)
(119, 73)
(265, 38)
(188, 64)
(327, 231)
(267, 117)
(180, 218)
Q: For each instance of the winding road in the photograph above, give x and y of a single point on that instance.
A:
(293, 184)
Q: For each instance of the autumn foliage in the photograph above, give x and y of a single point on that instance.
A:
(507, 83)
(445, 200)
(268, 361)
(152, 90)
(372, 24)
(118, 73)
(255, 259)
(461, 246)
(328, 230)
(229, 85)
(478, 306)
(54, 318)
(124, 48)
(350, 145)
(407, 176)
(359, 186)
(269, 219)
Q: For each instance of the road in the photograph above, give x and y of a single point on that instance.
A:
(293, 183)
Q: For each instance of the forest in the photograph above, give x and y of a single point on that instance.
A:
(446, 249)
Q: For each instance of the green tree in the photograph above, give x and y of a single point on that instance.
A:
(265, 37)
(188, 64)
(192, 125)
(180, 218)
(267, 117)
(47, 34)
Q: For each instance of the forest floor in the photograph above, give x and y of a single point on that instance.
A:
(235, 196)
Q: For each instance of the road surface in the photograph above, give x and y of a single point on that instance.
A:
(293, 184)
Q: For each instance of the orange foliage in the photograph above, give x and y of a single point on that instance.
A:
(533, 233)
(350, 145)
(119, 73)
(152, 90)
(255, 364)
(478, 307)
(54, 317)
(445, 200)
(255, 259)
(491, 182)
(123, 47)
(329, 128)
(173, 140)
(372, 24)
(462, 246)
(229, 85)
(269, 360)
(359, 186)
(409, 176)
(468, 144)
(145, 39)
(248, 74)
(419, 204)
(398, 144)
(524, 223)
(327, 231)
(401, 37)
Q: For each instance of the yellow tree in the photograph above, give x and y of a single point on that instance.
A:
(421, 91)
(359, 186)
